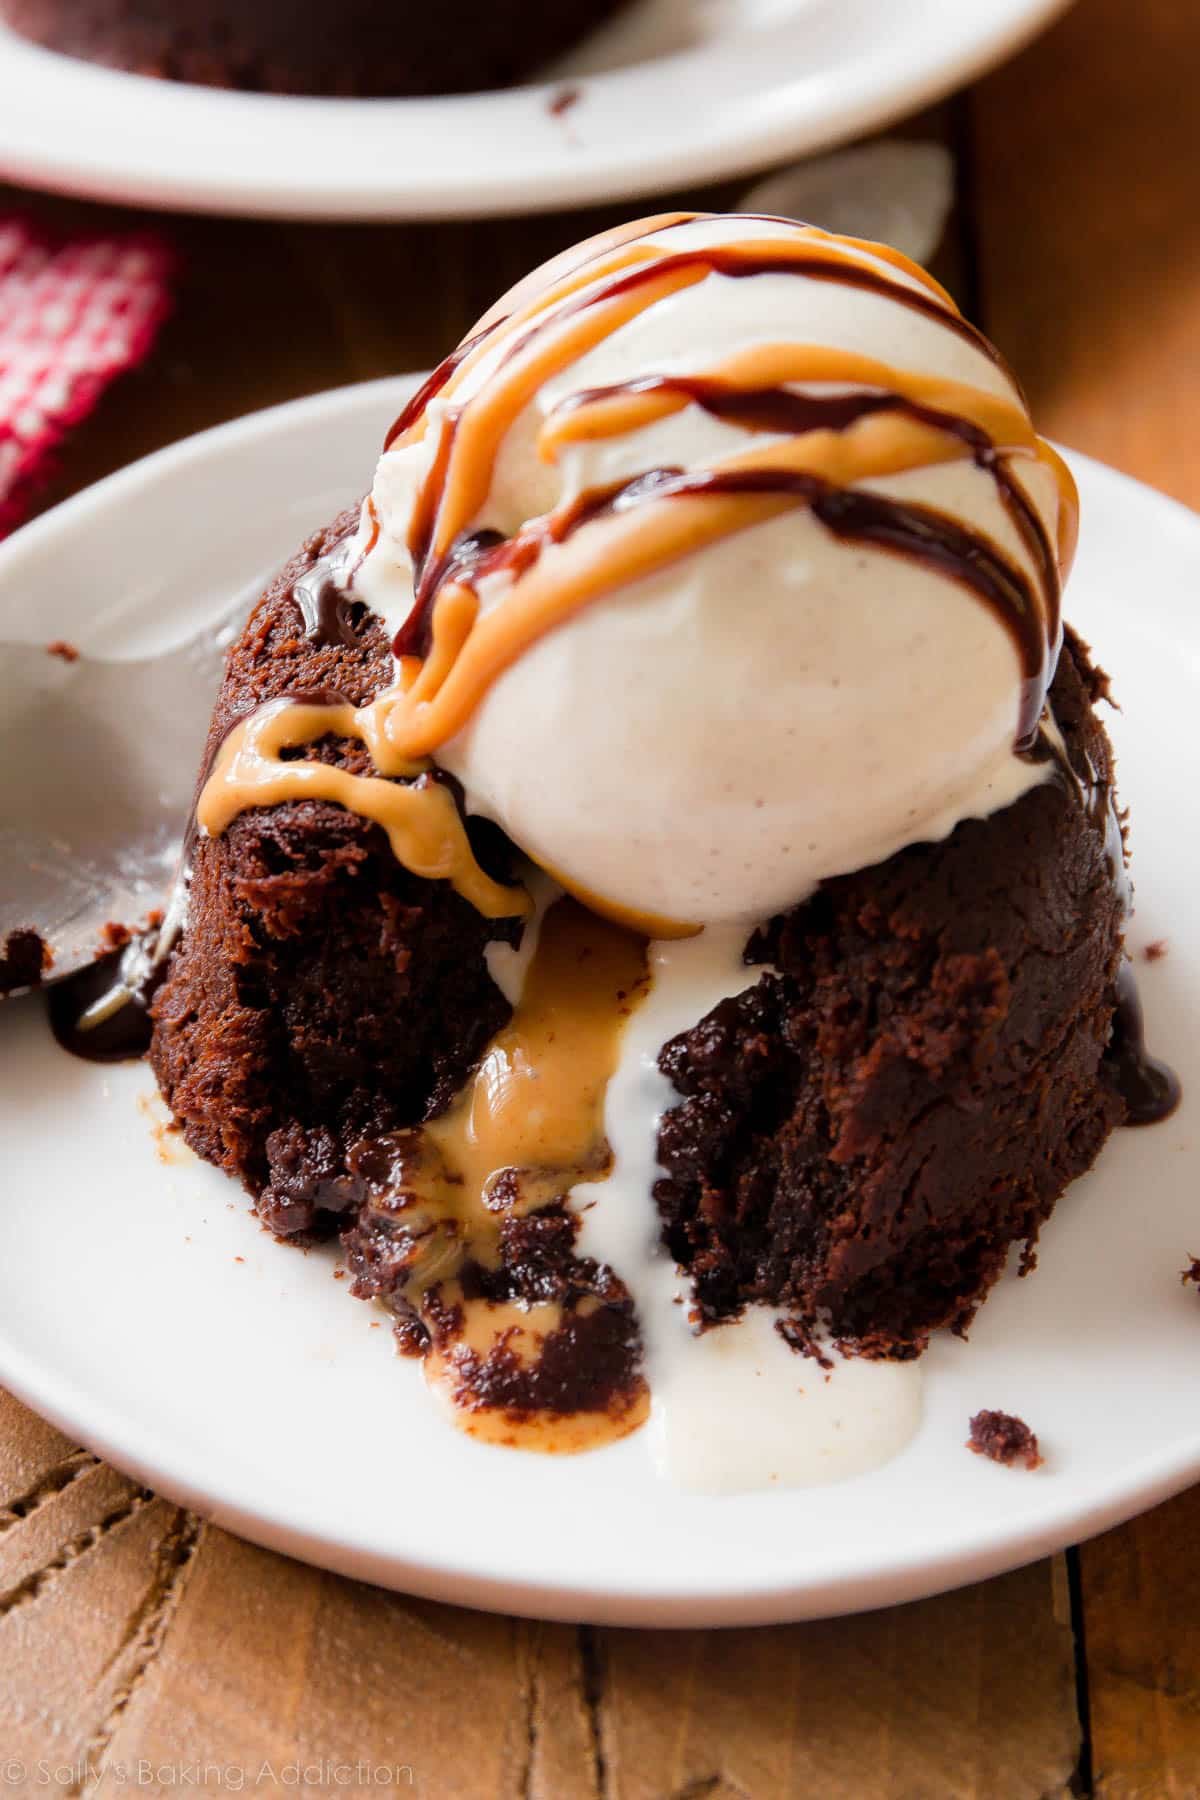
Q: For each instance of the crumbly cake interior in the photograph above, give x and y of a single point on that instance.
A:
(865, 1134)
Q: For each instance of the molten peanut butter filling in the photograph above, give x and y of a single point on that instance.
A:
(526, 1129)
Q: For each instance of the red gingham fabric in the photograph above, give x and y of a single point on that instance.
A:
(72, 315)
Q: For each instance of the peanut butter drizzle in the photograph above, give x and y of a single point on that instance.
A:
(556, 565)
(527, 1127)
(562, 563)
(612, 254)
(449, 653)
(765, 368)
(586, 306)
(420, 818)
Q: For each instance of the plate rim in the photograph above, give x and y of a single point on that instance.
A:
(456, 1582)
(776, 125)
(112, 1432)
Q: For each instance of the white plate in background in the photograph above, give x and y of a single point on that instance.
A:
(675, 93)
(146, 1313)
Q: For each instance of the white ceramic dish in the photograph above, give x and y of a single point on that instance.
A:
(675, 93)
(144, 1311)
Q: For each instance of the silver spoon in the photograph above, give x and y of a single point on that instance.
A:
(98, 762)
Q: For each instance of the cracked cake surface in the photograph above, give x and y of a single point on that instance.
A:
(865, 1133)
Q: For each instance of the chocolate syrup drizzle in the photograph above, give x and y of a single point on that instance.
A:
(745, 262)
(124, 1035)
(919, 533)
(853, 515)
(433, 384)
(785, 411)
(331, 614)
(1150, 1089)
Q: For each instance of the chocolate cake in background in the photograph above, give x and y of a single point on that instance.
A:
(357, 47)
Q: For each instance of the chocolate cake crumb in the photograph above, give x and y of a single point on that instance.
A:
(1156, 951)
(798, 1337)
(563, 101)
(1003, 1438)
(24, 959)
(62, 649)
(1192, 1272)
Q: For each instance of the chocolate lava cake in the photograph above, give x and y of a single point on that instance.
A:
(860, 1138)
(359, 47)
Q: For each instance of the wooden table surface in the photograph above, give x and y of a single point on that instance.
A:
(140, 1646)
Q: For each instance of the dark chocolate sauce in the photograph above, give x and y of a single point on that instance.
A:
(1151, 1091)
(1150, 1088)
(718, 261)
(743, 262)
(474, 554)
(920, 533)
(989, 349)
(433, 384)
(786, 412)
(853, 515)
(1098, 797)
(124, 1034)
(331, 614)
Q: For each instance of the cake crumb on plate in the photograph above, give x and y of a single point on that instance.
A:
(1004, 1438)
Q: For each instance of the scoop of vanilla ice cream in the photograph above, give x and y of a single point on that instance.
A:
(709, 741)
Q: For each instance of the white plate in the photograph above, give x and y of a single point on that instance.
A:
(677, 92)
(142, 1308)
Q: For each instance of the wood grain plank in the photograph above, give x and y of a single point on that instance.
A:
(1090, 251)
(73, 1633)
(30, 1451)
(91, 1497)
(139, 1646)
(1143, 1647)
(1086, 156)
(237, 1658)
(269, 1666)
(967, 1695)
